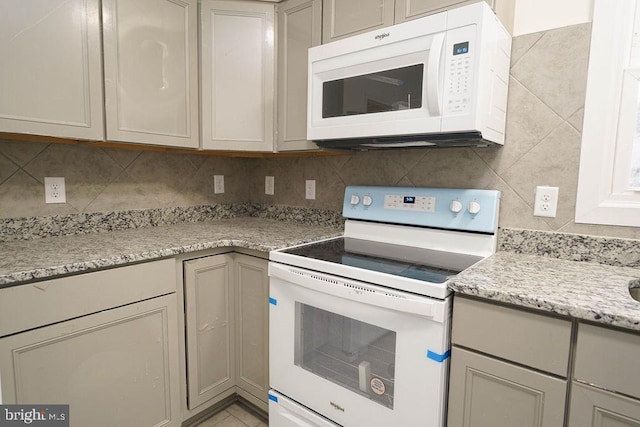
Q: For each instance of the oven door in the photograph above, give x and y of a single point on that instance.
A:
(358, 354)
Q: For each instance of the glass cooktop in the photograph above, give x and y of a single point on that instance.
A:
(410, 262)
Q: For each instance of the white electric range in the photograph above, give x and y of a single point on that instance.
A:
(359, 325)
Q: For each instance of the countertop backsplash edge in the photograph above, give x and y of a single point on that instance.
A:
(29, 228)
(613, 251)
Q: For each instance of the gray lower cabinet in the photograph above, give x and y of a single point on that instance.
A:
(606, 390)
(252, 327)
(115, 365)
(487, 392)
(226, 322)
(591, 406)
(210, 327)
(508, 367)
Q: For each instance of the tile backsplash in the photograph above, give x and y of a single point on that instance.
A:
(544, 125)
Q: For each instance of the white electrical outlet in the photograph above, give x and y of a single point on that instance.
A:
(218, 184)
(269, 185)
(546, 203)
(310, 189)
(54, 190)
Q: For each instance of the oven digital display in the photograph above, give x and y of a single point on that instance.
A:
(409, 199)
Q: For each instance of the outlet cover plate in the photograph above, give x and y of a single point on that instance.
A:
(269, 185)
(54, 190)
(546, 202)
(310, 189)
(218, 184)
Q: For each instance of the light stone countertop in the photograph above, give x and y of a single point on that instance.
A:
(582, 290)
(29, 260)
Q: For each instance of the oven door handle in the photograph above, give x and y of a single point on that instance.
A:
(359, 292)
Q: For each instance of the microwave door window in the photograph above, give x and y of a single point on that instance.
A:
(383, 91)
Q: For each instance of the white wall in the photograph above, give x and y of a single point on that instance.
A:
(532, 16)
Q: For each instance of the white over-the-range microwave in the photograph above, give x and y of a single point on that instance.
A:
(438, 81)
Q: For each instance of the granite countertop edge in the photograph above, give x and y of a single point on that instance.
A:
(580, 290)
(123, 259)
(62, 256)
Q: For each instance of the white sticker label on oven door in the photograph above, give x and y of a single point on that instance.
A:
(377, 386)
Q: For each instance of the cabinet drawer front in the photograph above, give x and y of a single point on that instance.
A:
(535, 340)
(60, 299)
(608, 358)
(485, 392)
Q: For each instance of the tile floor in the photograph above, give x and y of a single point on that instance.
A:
(235, 415)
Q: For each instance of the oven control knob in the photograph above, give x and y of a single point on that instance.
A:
(455, 206)
(367, 200)
(355, 199)
(474, 208)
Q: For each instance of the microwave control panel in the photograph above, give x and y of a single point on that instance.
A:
(459, 53)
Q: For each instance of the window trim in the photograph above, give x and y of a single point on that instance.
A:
(612, 38)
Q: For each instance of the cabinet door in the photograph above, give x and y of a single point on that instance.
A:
(114, 368)
(252, 314)
(486, 392)
(237, 56)
(407, 10)
(209, 299)
(344, 18)
(151, 71)
(299, 28)
(598, 408)
(51, 73)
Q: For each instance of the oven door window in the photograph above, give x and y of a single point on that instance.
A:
(389, 90)
(353, 354)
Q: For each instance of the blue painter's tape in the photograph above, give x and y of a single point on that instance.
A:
(438, 357)
(273, 301)
(272, 397)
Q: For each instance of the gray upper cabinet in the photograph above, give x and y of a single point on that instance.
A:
(237, 75)
(51, 79)
(299, 28)
(344, 18)
(151, 71)
(407, 10)
(51, 73)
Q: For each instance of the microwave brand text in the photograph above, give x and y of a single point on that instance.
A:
(381, 36)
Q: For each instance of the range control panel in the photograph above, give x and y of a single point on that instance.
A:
(410, 203)
(447, 208)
